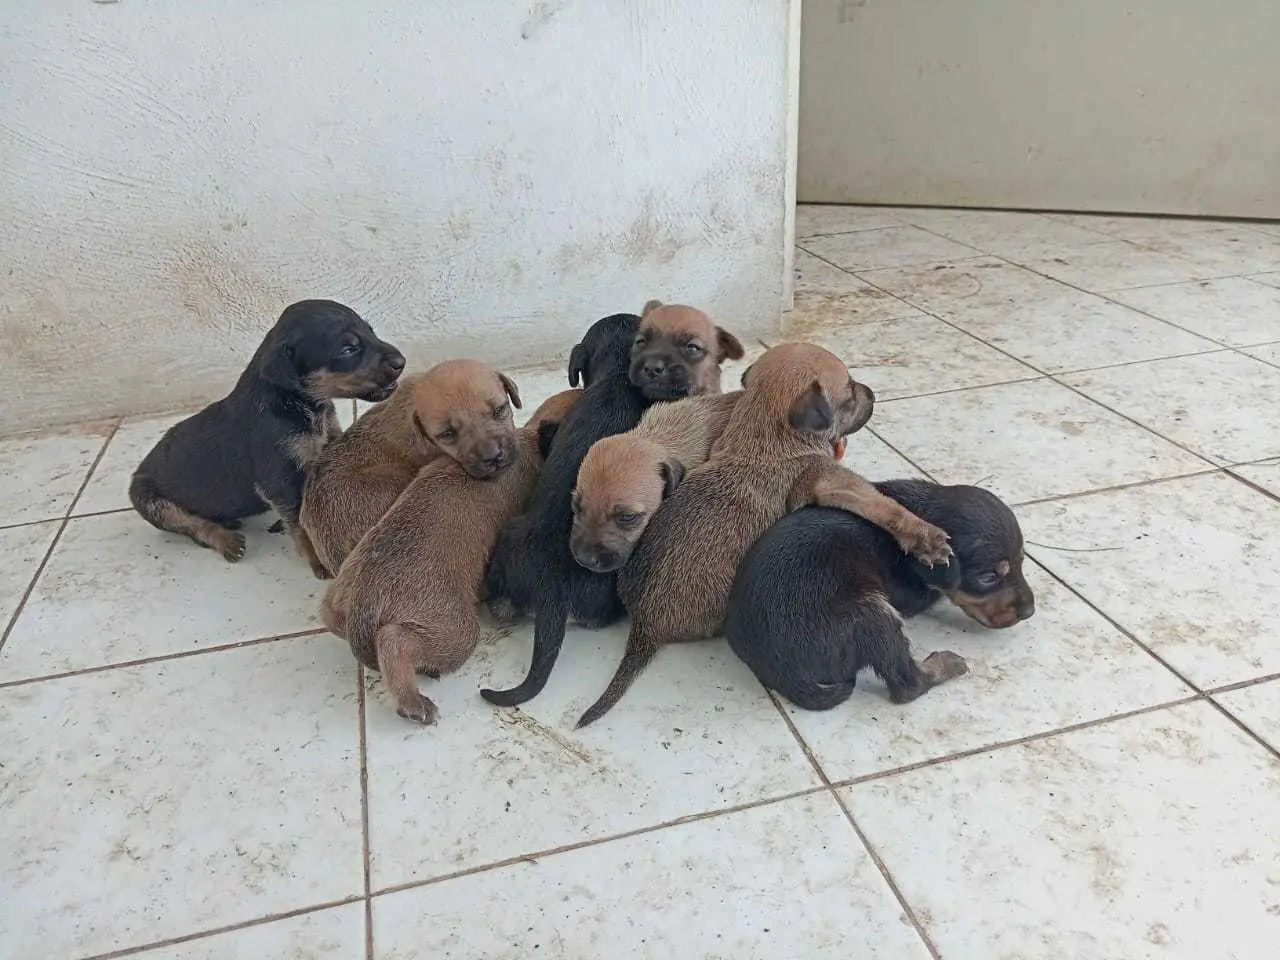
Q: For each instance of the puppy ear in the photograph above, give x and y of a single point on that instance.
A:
(672, 472)
(746, 373)
(280, 367)
(578, 365)
(941, 576)
(811, 411)
(649, 307)
(512, 390)
(728, 347)
(546, 434)
(427, 442)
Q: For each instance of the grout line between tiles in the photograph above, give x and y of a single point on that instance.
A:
(1017, 741)
(1248, 731)
(215, 931)
(533, 858)
(1242, 684)
(1151, 482)
(361, 699)
(923, 472)
(164, 657)
(57, 536)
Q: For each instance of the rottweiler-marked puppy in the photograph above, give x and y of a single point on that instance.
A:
(822, 595)
(249, 452)
(532, 568)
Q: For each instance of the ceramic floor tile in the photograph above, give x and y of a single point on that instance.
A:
(21, 550)
(869, 456)
(1216, 247)
(108, 488)
(524, 781)
(1186, 566)
(1232, 310)
(1004, 436)
(1137, 839)
(149, 802)
(1270, 279)
(117, 590)
(785, 880)
(42, 474)
(333, 934)
(1005, 233)
(1258, 708)
(1268, 353)
(1221, 405)
(828, 295)
(1041, 321)
(886, 247)
(813, 220)
(909, 357)
(1113, 265)
(1065, 665)
(1265, 474)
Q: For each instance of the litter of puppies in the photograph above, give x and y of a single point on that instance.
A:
(641, 490)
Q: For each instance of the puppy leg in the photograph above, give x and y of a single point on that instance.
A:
(399, 658)
(834, 486)
(163, 514)
(286, 499)
(907, 679)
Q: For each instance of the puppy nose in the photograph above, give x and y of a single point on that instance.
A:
(1026, 607)
(395, 360)
(606, 560)
(493, 456)
(655, 368)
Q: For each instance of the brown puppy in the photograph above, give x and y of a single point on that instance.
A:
(678, 352)
(405, 598)
(773, 456)
(624, 478)
(460, 409)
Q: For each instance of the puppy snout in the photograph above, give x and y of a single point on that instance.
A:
(493, 455)
(654, 367)
(394, 359)
(1026, 607)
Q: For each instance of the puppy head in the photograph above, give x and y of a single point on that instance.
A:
(621, 483)
(463, 407)
(984, 578)
(327, 352)
(678, 352)
(809, 391)
(605, 349)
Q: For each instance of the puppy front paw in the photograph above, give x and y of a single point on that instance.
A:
(418, 709)
(928, 544)
(231, 545)
(943, 665)
(503, 612)
(277, 527)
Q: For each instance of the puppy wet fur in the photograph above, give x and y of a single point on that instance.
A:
(678, 352)
(624, 478)
(823, 593)
(461, 409)
(249, 452)
(774, 455)
(405, 599)
(533, 569)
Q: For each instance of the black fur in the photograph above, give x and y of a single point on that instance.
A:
(244, 453)
(813, 601)
(532, 568)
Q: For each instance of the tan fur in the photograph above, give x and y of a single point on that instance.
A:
(670, 330)
(405, 598)
(357, 477)
(624, 478)
(775, 453)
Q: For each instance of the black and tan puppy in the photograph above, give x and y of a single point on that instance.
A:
(532, 568)
(775, 454)
(250, 451)
(460, 409)
(405, 599)
(822, 595)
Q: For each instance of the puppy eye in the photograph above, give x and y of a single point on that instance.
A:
(448, 436)
(350, 350)
(640, 342)
(694, 349)
(987, 580)
(499, 412)
(627, 519)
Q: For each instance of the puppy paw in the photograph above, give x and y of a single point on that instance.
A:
(943, 665)
(418, 709)
(231, 546)
(928, 544)
(503, 612)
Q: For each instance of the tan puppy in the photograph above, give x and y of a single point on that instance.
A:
(773, 456)
(405, 598)
(678, 352)
(460, 409)
(624, 478)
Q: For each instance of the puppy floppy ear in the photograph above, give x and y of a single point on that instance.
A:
(649, 307)
(578, 366)
(513, 391)
(546, 434)
(280, 367)
(811, 410)
(672, 473)
(728, 347)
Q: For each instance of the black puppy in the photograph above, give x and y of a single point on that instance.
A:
(531, 569)
(250, 450)
(823, 594)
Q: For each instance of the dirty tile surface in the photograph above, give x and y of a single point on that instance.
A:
(183, 746)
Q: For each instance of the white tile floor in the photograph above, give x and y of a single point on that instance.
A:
(190, 768)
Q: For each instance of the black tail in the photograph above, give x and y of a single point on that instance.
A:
(548, 637)
(636, 658)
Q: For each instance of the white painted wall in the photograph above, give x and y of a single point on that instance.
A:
(476, 177)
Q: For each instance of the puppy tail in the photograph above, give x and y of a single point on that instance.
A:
(634, 660)
(362, 634)
(548, 637)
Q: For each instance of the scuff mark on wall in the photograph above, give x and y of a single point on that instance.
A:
(540, 14)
